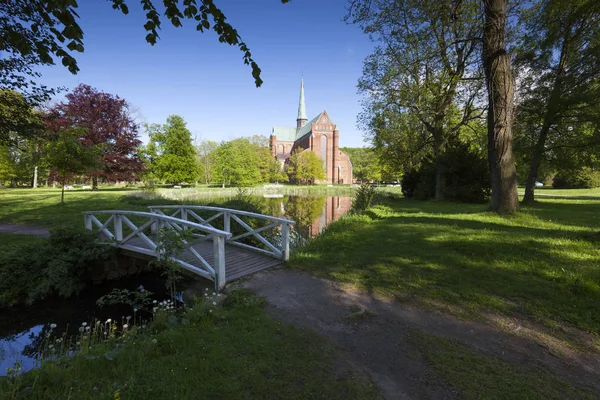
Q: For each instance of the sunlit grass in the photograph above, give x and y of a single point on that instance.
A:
(543, 262)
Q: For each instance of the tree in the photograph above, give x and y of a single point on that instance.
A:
(238, 162)
(365, 165)
(499, 82)
(559, 58)
(18, 119)
(171, 153)
(108, 123)
(424, 68)
(67, 157)
(35, 32)
(205, 153)
(304, 166)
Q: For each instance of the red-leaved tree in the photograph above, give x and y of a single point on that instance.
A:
(107, 123)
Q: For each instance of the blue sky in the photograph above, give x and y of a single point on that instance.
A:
(206, 82)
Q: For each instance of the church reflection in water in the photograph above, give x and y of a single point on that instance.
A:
(313, 214)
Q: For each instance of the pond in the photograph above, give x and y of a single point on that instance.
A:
(22, 329)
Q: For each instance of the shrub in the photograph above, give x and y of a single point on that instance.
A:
(466, 176)
(363, 197)
(60, 266)
(583, 178)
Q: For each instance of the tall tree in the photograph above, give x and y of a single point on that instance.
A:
(205, 153)
(68, 157)
(500, 87)
(425, 65)
(304, 166)
(559, 59)
(238, 162)
(172, 155)
(18, 119)
(107, 123)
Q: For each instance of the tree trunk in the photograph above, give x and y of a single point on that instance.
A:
(94, 182)
(500, 86)
(62, 194)
(440, 173)
(35, 177)
(549, 118)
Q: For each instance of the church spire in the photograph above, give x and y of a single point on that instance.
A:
(301, 120)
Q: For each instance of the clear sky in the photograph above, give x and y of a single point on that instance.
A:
(206, 82)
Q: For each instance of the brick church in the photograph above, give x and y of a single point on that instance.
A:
(319, 135)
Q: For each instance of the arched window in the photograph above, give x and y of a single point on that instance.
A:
(324, 152)
(288, 148)
(281, 149)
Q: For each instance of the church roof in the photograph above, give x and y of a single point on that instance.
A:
(290, 134)
(285, 133)
(301, 103)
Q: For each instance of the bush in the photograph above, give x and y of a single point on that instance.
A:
(61, 266)
(363, 198)
(466, 176)
(583, 178)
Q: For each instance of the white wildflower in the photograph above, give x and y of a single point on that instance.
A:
(154, 302)
(154, 341)
(214, 303)
(52, 326)
(135, 310)
(125, 326)
(87, 328)
(84, 324)
(209, 310)
(108, 321)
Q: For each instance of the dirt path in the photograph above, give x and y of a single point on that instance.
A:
(380, 342)
(17, 229)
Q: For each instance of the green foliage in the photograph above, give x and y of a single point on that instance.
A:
(170, 154)
(67, 156)
(60, 266)
(583, 178)
(305, 167)
(363, 198)
(241, 162)
(17, 118)
(169, 245)
(365, 163)
(466, 172)
(136, 299)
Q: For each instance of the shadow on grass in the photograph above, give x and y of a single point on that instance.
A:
(459, 255)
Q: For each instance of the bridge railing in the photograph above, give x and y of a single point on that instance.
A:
(270, 235)
(133, 230)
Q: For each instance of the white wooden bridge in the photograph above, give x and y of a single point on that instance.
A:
(220, 245)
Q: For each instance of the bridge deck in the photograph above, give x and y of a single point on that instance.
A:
(239, 262)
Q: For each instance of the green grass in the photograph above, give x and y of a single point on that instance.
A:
(547, 191)
(541, 263)
(235, 354)
(476, 376)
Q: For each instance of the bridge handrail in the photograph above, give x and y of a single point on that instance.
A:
(205, 228)
(231, 210)
(281, 250)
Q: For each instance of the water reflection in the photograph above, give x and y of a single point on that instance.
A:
(313, 214)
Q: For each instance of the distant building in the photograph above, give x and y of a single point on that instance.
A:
(319, 135)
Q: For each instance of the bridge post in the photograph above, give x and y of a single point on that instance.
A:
(227, 222)
(285, 242)
(118, 224)
(219, 257)
(88, 221)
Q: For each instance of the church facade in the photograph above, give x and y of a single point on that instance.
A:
(319, 135)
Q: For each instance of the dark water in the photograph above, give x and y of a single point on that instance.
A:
(22, 328)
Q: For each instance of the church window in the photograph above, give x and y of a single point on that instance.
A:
(324, 152)
(281, 149)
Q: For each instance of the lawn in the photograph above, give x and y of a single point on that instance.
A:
(235, 352)
(542, 263)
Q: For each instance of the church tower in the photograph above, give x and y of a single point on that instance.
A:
(301, 120)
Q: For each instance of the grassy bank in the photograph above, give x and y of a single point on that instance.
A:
(229, 352)
(541, 263)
